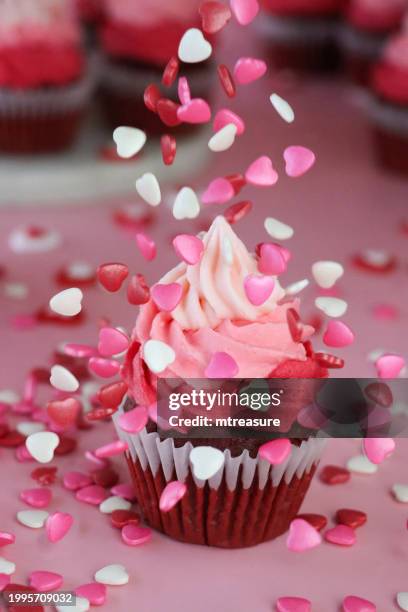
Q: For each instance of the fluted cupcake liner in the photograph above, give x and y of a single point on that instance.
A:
(247, 502)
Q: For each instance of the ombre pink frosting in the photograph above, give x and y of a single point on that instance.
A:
(390, 75)
(215, 315)
(376, 15)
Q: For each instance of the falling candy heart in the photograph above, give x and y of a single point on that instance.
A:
(258, 289)
(195, 111)
(389, 366)
(271, 260)
(206, 461)
(67, 303)
(218, 191)
(138, 291)
(275, 451)
(63, 380)
(134, 420)
(111, 449)
(214, 16)
(112, 341)
(237, 211)
(261, 173)
(293, 604)
(332, 307)
(6, 567)
(378, 449)
(64, 412)
(112, 575)
(278, 230)
(400, 493)
(168, 146)
(45, 581)
(244, 11)
(193, 47)
(105, 368)
(42, 445)
(112, 275)
(223, 139)
(158, 355)
(6, 538)
(402, 601)
(37, 498)
(183, 91)
(186, 204)
(58, 525)
(146, 246)
(93, 592)
(172, 493)
(338, 334)
(221, 365)
(225, 117)
(327, 273)
(167, 296)
(188, 248)
(302, 536)
(129, 141)
(283, 108)
(298, 160)
(351, 603)
(249, 69)
(111, 395)
(147, 186)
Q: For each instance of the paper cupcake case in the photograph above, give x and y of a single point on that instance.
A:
(47, 119)
(247, 502)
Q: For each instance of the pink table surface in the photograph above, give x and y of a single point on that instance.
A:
(344, 205)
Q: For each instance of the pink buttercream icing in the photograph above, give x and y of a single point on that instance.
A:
(390, 75)
(376, 15)
(215, 315)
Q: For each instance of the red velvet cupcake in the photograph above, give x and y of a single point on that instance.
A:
(138, 39)
(234, 497)
(368, 24)
(45, 84)
(389, 105)
(301, 34)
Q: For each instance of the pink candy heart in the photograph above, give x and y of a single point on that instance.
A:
(183, 90)
(134, 420)
(351, 603)
(111, 449)
(249, 69)
(338, 334)
(93, 495)
(105, 368)
(342, 535)
(194, 111)
(298, 160)
(37, 498)
(389, 366)
(76, 480)
(171, 495)
(45, 581)
(378, 449)
(225, 117)
(188, 248)
(57, 525)
(112, 342)
(167, 296)
(275, 451)
(6, 538)
(94, 592)
(134, 535)
(302, 536)
(146, 246)
(258, 289)
(271, 259)
(293, 604)
(261, 172)
(244, 11)
(218, 191)
(124, 490)
(221, 365)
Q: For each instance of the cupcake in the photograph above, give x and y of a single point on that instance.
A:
(90, 13)
(45, 85)
(368, 23)
(247, 501)
(389, 104)
(138, 39)
(301, 34)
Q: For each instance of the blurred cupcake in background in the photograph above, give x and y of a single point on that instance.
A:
(45, 85)
(368, 24)
(90, 13)
(138, 38)
(301, 34)
(389, 104)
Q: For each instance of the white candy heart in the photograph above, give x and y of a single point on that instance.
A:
(112, 575)
(32, 518)
(158, 355)
(81, 605)
(223, 139)
(193, 47)
(402, 601)
(332, 307)
(20, 241)
(8, 396)
(283, 108)
(114, 503)
(81, 270)
(361, 465)
(186, 204)
(376, 257)
(63, 380)
(278, 230)
(375, 354)
(67, 302)
(327, 273)
(147, 186)
(16, 291)
(297, 287)
(27, 428)
(7, 567)
(42, 445)
(400, 492)
(129, 141)
(206, 461)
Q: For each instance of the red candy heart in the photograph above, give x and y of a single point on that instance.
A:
(329, 361)
(12, 439)
(64, 412)
(44, 475)
(99, 414)
(237, 181)
(170, 72)
(168, 145)
(65, 446)
(167, 111)
(351, 518)
(238, 211)
(105, 477)
(226, 80)
(138, 292)
(120, 518)
(112, 275)
(332, 475)
(318, 521)
(112, 395)
(295, 325)
(379, 393)
(151, 97)
(214, 16)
